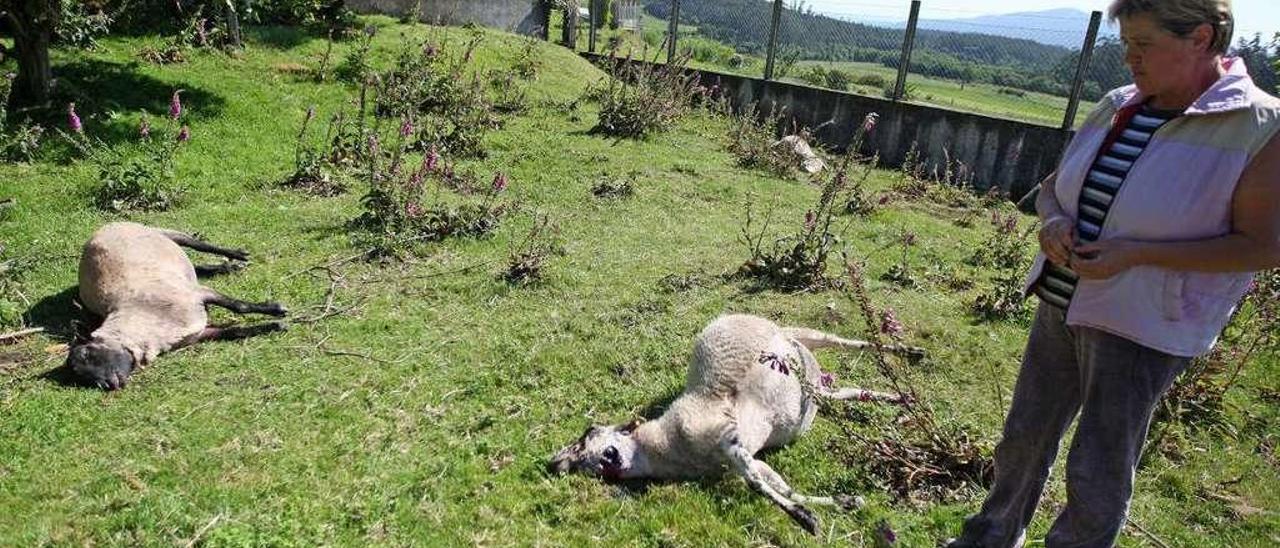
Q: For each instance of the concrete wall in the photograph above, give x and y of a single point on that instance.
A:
(528, 17)
(1013, 156)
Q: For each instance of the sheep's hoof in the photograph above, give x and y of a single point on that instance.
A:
(850, 503)
(276, 309)
(805, 518)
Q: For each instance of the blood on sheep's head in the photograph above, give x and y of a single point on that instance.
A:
(607, 452)
(104, 364)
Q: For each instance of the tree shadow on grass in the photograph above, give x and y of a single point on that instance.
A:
(282, 37)
(98, 87)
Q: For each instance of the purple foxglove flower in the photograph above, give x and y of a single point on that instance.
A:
(175, 106)
(432, 158)
(406, 127)
(499, 182)
(184, 134)
(869, 122)
(144, 128)
(412, 210)
(889, 324)
(73, 120)
(827, 380)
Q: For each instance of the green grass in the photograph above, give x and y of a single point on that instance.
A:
(440, 436)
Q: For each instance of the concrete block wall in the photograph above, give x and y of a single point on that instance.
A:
(1011, 155)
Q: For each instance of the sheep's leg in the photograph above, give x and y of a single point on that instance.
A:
(206, 270)
(187, 240)
(780, 485)
(243, 307)
(861, 395)
(743, 463)
(814, 339)
(232, 333)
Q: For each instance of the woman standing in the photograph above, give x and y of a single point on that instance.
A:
(1164, 205)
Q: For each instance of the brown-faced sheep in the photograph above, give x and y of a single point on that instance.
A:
(142, 284)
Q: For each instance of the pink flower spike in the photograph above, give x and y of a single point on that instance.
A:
(499, 182)
(406, 127)
(73, 120)
(184, 134)
(175, 106)
(827, 380)
(889, 323)
(432, 158)
(144, 128)
(869, 122)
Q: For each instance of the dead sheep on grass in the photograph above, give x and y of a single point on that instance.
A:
(751, 385)
(143, 286)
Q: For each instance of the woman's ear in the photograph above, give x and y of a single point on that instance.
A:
(1202, 37)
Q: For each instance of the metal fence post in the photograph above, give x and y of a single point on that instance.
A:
(908, 42)
(673, 31)
(773, 40)
(591, 32)
(1086, 52)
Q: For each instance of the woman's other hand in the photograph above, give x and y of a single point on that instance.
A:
(1057, 238)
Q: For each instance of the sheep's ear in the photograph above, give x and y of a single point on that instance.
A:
(632, 426)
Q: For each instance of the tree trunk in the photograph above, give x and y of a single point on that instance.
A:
(32, 23)
(233, 24)
(35, 74)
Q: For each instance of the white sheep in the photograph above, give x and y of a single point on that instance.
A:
(750, 386)
(145, 288)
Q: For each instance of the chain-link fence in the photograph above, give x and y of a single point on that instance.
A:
(1023, 66)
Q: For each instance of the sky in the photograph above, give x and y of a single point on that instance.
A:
(1251, 15)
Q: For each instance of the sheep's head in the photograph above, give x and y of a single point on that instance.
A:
(104, 364)
(609, 452)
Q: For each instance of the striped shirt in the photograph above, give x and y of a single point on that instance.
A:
(1057, 284)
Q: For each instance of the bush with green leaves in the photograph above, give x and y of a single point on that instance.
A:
(404, 206)
(640, 99)
(11, 270)
(527, 260)
(139, 175)
(21, 142)
(753, 141)
(315, 170)
(80, 25)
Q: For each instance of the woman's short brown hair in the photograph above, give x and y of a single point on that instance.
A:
(1181, 17)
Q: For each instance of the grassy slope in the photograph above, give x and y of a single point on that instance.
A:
(443, 437)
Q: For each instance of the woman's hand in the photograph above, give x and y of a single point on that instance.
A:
(1057, 238)
(1104, 258)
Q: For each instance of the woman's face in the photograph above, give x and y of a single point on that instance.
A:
(1161, 60)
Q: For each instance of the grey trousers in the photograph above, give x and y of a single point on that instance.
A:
(1115, 385)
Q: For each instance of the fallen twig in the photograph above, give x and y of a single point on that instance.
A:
(199, 534)
(11, 337)
(1150, 536)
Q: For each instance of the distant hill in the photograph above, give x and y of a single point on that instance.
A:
(1059, 27)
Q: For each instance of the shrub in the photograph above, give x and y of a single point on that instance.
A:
(528, 259)
(138, 175)
(644, 98)
(815, 75)
(18, 143)
(314, 170)
(838, 80)
(751, 140)
(871, 80)
(399, 211)
(1007, 252)
(799, 261)
(356, 66)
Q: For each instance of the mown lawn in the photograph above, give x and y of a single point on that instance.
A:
(425, 415)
